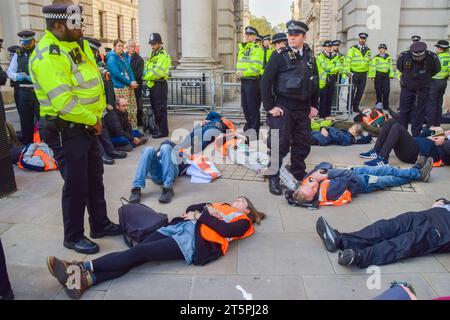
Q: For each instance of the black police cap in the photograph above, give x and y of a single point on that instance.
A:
(296, 27)
(336, 43)
(155, 38)
(327, 44)
(26, 35)
(416, 38)
(251, 30)
(13, 49)
(363, 35)
(418, 48)
(279, 37)
(61, 11)
(267, 38)
(383, 46)
(444, 44)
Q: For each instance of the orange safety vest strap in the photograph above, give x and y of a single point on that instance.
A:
(438, 164)
(345, 198)
(229, 124)
(50, 163)
(371, 121)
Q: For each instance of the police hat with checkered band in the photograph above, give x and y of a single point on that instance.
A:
(296, 27)
(64, 11)
(250, 30)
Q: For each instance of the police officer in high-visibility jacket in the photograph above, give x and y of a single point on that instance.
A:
(382, 70)
(267, 48)
(358, 61)
(329, 67)
(249, 67)
(439, 85)
(71, 93)
(157, 72)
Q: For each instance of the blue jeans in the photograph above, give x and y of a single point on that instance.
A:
(123, 141)
(161, 169)
(386, 177)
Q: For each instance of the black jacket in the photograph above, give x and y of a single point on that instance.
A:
(418, 74)
(137, 65)
(446, 155)
(118, 124)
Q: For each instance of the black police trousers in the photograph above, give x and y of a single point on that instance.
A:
(251, 104)
(394, 136)
(291, 132)
(158, 96)
(412, 234)
(5, 285)
(326, 97)
(435, 102)
(80, 163)
(105, 143)
(29, 113)
(359, 86)
(413, 108)
(383, 89)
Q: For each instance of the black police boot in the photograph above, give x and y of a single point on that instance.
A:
(110, 231)
(107, 160)
(118, 154)
(135, 196)
(159, 135)
(7, 296)
(275, 186)
(84, 246)
(167, 195)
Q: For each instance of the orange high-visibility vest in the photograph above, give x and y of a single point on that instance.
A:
(370, 120)
(438, 164)
(202, 163)
(230, 215)
(229, 124)
(49, 162)
(345, 198)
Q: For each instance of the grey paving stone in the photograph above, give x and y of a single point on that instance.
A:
(444, 259)
(283, 254)
(91, 294)
(260, 287)
(4, 227)
(354, 287)
(136, 286)
(440, 282)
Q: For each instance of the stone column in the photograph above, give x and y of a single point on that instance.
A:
(152, 19)
(196, 33)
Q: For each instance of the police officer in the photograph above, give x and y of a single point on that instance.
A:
(3, 80)
(71, 92)
(358, 61)
(279, 40)
(439, 85)
(418, 66)
(156, 74)
(292, 76)
(249, 70)
(12, 51)
(267, 48)
(19, 73)
(382, 70)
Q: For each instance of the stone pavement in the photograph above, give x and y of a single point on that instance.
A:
(284, 260)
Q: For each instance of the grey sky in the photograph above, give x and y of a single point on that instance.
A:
(276, 11)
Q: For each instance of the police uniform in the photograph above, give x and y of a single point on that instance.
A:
(250, 68)
(157, 72)
(18, 71)
(3, 79)
(418, 66)
(358, 60)
(71, 93)
(267, 51)
(382, 70)
(329, 67)
(279, 37)
(438, 86)
(292, 76)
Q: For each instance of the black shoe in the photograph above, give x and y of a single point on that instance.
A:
(348, 258)
(167, 195)
(84, 246)
(107, 160)
(135, 196)
(126, 148)
(275, 186)
(118, 154)
(327, 234)
(110, 231)
(7, 296)
(159, 135)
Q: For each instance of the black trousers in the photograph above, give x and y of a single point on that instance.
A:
(251, 104)
(291, 132)
(413, 108)
(155, 248)
(158, 96)
(29, 113)
(383, 89)
(81, 166)
(394, 136)
(105, 143)
(359, 86)
(326, 97)
(140, 103)
(109, 91)
(435, 102)
(409, 235)
(5, 285)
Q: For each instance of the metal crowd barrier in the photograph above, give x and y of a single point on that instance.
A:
(342, 100)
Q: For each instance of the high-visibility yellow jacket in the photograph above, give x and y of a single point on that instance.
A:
(382, 65)
(343, 62)
(250, 62)
(357, 60)
(66, 81)
(267, 54)
(157, 67)
(444, 57)
(327, 66)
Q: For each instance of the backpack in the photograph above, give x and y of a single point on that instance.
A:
(139, 221)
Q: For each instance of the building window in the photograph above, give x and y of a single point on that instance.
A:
(102, 22)
(133, 28)
(120, 27)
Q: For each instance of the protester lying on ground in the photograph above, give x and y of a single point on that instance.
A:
(123, 137)
(163, 166)
(409, 235)
(328, 136)
(335, 187)
(441, 139)
(399, 291)
(395, 137)
(200, 236)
